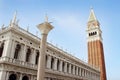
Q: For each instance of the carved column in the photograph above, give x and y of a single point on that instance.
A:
(55, 64)
(24, 53)
(33, 56)
(65, 68)
(60, 68)
(79, 71)
(76, 70)
(73, 69)
(69, 68)
(21, 77)
(13, 49)
(7, 48)
(44, 29)
(49, 62)
(7, 75)
(2, 75)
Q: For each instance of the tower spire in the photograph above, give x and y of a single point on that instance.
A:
(92, 16)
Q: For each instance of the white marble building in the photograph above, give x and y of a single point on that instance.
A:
(19, 53)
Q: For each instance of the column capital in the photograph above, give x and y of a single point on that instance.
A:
(45, 27)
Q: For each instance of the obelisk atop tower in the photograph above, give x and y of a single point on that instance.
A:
(95, 45)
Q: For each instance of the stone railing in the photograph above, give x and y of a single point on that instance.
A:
(17, 62)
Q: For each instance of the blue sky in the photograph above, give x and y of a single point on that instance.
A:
(69, 19)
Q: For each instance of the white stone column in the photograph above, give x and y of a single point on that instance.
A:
(76, 70)
(49, 62)
(73, 69)
(44, 28)
(13, 49)
(20, 77)
(60, 68)
(7, 75)
(7, 48)
(79, 71)
(65, 68)
(82, 72)
(55, 64)
(33, 57)
(24, 53)
(69, 69)
(2, 75)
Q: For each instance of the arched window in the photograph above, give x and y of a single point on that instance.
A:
(52, 63)
(1, 49)
(17, 50)
(37, 57)
(28, 55)
(25, 78)
(13, 77)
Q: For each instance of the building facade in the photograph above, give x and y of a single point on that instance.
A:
(20, 51)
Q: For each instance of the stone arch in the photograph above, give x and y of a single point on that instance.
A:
(25, 78)
(1, 49)
(17, 50)
(12, 77)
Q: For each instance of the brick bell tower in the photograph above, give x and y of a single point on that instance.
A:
(95, 45)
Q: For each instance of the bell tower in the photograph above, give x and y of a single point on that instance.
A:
(95, 45)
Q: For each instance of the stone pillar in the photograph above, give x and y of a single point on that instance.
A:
(7, 75)
(55, 64)
(2, 75)
(60, 68)
(82, 72)
(49, 62)
(21, 77)
(65, 68)
(79, 71)
(24, 53)
(73, 69)
(44, 28)
(76, 70)
(33, 56)
(69, 68)
(7, 48)
(13, 49)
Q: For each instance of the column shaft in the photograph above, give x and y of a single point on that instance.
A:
(41, 65)
(55, 64)
(49, 62)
